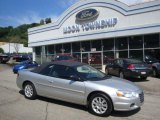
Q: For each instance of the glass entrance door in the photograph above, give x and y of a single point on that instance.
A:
(95, 60)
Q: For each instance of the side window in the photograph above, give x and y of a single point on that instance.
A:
(120, 62)
(115, 62)
(63, 72)
(46, 71)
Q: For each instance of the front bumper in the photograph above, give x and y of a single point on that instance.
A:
(128, 104)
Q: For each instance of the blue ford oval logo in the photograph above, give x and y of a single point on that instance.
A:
(87, 14)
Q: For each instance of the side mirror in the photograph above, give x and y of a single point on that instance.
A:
(75, 78)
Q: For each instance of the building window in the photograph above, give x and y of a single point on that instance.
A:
(86, 46)
(76, 47)
(49, 49)
(108, 56)
(151, 41)
(96, 45)
(153, 53)
(108, 44)
(38, 50)
(59, 48)
(121, 54)
(121, 43)
(67, 48)
(137, 54)
(77, 56)
(135, 42)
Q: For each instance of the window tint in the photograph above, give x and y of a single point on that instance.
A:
(120, 62)
(89, 73)
(46, 70)
(61, 71)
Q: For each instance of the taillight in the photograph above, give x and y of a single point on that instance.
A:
(131, 66)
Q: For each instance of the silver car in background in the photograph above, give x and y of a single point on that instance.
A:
(81, 84)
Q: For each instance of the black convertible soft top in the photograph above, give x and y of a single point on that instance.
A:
(69, 64)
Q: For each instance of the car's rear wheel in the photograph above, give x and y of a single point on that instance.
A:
(106, 71)
(30, 91)
(100, 105)
(155, 73)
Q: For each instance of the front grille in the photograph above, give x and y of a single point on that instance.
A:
(141, 97)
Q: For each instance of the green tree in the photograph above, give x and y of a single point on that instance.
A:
(1, 50)
(7, 33)
(42, 22)
(48, 20)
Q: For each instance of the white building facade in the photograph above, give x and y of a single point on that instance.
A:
(15, 47)
(101, 29)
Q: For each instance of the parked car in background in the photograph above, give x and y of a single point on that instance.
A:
(21, 58)
(81, 84)
(63, 57)
(129, 68)
(4, 58)
(155, 65)
(24, 65)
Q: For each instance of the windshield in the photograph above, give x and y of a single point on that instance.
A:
(89, 73)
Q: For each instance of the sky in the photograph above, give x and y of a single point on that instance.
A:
(17, 12)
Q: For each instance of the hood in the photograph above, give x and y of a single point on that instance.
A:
(118, 83)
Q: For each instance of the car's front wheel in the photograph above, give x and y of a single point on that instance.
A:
(100, 105)
(30, 91)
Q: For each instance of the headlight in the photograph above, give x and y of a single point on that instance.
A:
(127, 94)
(21, 67)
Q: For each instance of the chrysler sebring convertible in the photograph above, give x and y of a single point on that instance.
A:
(81, 84)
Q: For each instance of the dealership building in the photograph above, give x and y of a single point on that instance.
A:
(94, 31)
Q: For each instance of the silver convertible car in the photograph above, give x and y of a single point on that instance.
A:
(81, 84)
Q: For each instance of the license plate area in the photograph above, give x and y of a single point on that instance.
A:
(143, 73)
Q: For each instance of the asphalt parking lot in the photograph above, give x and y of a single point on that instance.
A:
(13, 105)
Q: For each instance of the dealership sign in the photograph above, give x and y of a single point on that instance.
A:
(86, 22)
(88, 14)
(91, 26)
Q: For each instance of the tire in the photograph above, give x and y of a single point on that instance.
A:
(155, 73)
(121, 75)
(98, 108)
(144, 78)
(106, 71)
(30, 91)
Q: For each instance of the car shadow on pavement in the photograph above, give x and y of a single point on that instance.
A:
(84, 108)
(136, 80)
(125, 113)
(62, 103)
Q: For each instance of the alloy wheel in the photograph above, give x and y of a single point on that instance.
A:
(28, 91)
(99, 105)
